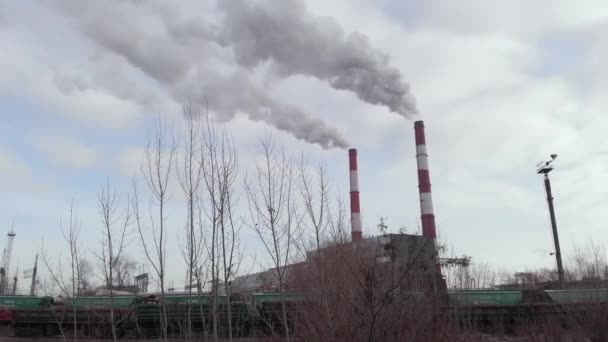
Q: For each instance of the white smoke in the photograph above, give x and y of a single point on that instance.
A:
(209, 60)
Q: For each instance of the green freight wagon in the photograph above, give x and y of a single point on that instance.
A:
(25, 302)
(177, 307)
(578, 296)
(489, 297)
(10, 304)
(197, 308)
(102, 302)
(275, 297)
(92, 315)
(194, 299)
(266, 310)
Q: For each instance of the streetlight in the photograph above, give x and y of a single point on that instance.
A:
(545, 168)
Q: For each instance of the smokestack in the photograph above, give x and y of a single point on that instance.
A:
(424, 183)
(355, 208)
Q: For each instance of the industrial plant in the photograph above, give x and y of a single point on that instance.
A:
(404, 271)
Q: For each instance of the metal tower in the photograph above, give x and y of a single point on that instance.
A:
(34, 271)
(6, 262)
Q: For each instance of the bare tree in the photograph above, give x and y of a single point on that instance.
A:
(86, 276)
(115, 222)
(315, 191)
(373, 294)
(380, 282)
(157, 169)
(589, 262)
(273, 211)
(315, 197)
(70, 287)
(220, 169)
(338, 231)
(189, 175)
(482, 275)
(124, 270)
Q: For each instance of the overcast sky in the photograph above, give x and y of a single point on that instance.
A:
(500, 85)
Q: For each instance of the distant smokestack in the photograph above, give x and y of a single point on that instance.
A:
(424, 183)
(355, 208)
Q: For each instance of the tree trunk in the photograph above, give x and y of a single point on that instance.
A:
(191, 266)
(284, 312)
(226, 286)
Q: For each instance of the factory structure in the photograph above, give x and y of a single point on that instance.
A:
(365, 272)
(418, 252)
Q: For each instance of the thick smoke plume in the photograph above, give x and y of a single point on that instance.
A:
(212, 63)
(284, 33)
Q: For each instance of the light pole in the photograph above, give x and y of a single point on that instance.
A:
(545, 168)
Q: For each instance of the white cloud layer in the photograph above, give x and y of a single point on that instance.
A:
(500, 86)
(66, 153)
(11, 166)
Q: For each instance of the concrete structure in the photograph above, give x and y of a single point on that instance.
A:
(414, 253)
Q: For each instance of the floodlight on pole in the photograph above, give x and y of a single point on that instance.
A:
(544, 168)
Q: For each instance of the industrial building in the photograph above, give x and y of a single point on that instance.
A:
(415, 253)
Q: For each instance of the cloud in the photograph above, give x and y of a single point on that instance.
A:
(518, 17)
(83, 91)
(64, 152)
(11, 165)
(128, 161)
(18, 176)
(497, 85)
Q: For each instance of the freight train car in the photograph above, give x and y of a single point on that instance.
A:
(578, 296)
(502, 310)
(90, 316)
(266, 310)
(485, 297)
(478, 309)
(261, 313)
(517, 297)
(197, 309)
(10, 304)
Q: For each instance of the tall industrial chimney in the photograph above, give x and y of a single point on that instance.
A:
(424, 183)
(355, 208)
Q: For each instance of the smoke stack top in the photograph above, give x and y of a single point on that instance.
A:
(419, 133)
(424, 183)
(355, 206)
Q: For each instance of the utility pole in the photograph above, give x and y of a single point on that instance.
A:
(545, 168)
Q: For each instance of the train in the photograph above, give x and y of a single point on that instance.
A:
(140, 315)
(504, 310)
(256, 314)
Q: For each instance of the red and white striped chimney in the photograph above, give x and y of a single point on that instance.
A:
(424, 183)
(355, 208)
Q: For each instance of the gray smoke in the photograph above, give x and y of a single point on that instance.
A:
(285, 33)
(214, 64)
